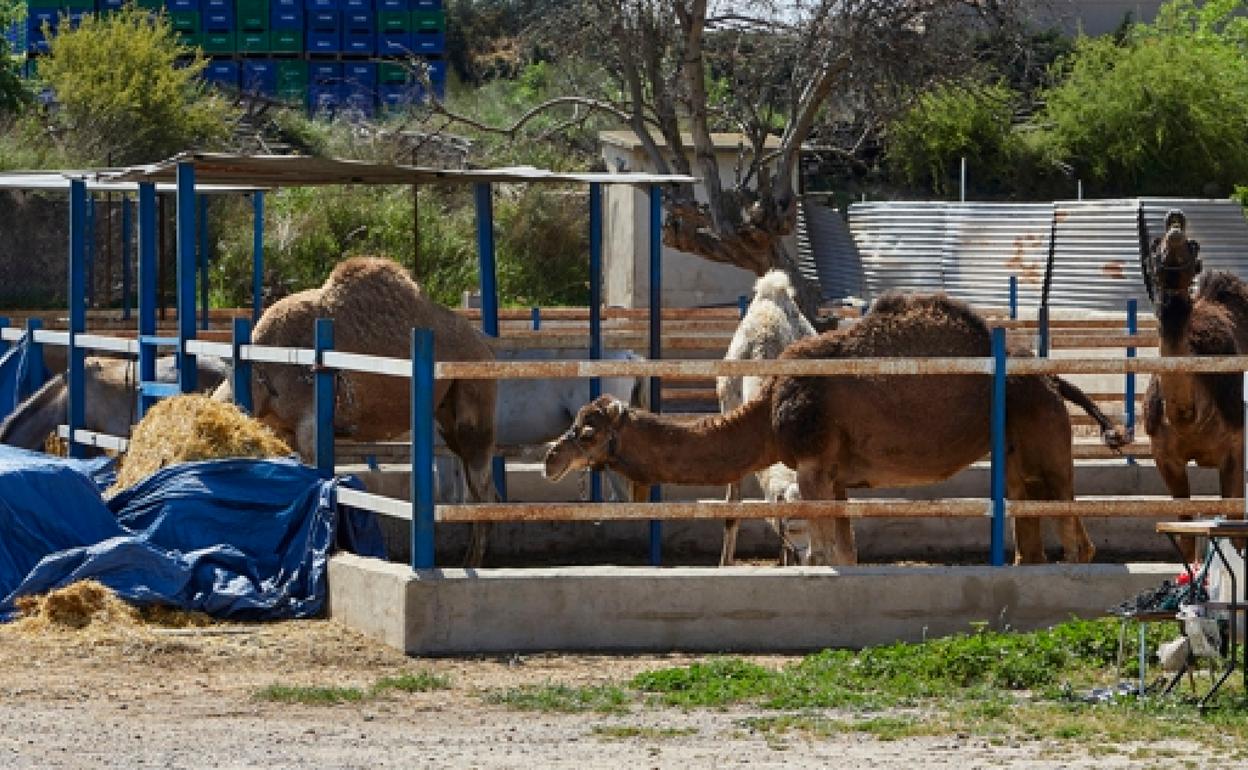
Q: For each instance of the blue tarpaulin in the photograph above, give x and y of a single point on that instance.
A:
(237, 539)
(16, 380)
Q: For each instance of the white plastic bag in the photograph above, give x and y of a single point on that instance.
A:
(1220, 583)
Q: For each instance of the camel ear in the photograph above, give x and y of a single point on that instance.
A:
(615, 410)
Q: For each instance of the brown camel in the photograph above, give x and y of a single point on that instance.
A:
(1195, 417)
(841, 433)
(375, 305)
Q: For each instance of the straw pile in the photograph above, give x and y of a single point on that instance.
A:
(74, 607)
(192, 427)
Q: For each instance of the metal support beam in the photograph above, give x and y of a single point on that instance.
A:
(656, 348)
(241, 383)
(202, 223)
(483, 194)
(1013, 297)
(77, 311)
(595, 309)
(323, 399)
(127, 280)
(89, 248)
(997, 554)
(148, 274)
(35, 370)
(187, 368)
(4, 344)
(257, 255)
(1129, 385)
(422, 449)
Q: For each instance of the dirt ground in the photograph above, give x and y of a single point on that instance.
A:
(135, 695)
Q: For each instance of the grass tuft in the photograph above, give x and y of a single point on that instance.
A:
(310, 696)
(604, 699)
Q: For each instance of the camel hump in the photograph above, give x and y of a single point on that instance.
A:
(775, 286)
(370, 271)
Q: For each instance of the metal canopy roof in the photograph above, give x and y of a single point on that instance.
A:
(58, 181)
(305, 171)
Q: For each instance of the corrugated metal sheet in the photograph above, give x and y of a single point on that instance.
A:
(825, 243)
(971, 250)
(902, 245)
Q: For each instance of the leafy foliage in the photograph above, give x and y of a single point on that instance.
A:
(128, 91)
(13, 92)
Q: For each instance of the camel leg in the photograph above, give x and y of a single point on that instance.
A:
(832, 538)
(466, 418)
(732, 527)
(1174, 474)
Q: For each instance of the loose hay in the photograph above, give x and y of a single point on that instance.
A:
(76, 606)
(193, 427)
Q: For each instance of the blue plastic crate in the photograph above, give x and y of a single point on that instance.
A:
(324, 21)
(437, 70)
(394, 5)
(260, 76)
(217, 20)
(426, 5)
(222, 72)
(350, 6)
(359, 21)
(116, 5)
(324, 98)
(360, 43)
(361, 73)
(174, 5)
(395, 44)
(286, 5)
(323, 41)
(285, 18)
(399, 96)
(208, 6)
(322, 5)
(324, 73)
(425, 43)
(35, 18)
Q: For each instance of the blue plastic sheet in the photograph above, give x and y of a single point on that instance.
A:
(237, 539)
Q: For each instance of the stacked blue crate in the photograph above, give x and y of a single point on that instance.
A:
(36, 18)
(323, 33)
(222, 72)
(324, 86)
(359, 35)
(217, 15)
(259, 76)
(359, 86)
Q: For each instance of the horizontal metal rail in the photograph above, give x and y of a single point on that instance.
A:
(359, 362)
(206, 348)
(1157, 507)
(101, 342)
(46, 337)
(91, 438)
(387, 506)
(275, 355)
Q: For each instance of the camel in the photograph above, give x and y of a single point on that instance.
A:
(1195, 417)
(111, 401)
(842, 433)
(772, 321)
(375, 305)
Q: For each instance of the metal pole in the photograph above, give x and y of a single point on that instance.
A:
(1013, 297)
(241, 384)
(484, 197)
(1043, 322)
(323, 399)
(127, 225)
(89, 244)
(535, 314)
(962, 183)
(595, 309)
(257, 254)
(77, 311)
(1129, 394)
(998, 447)
(187, 369)
(148, 273)
(202, 223)
(35, 371)
(743, 305)
(4, 344)
(656, 349)
(422, 449)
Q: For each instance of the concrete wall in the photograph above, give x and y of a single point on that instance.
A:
(737, 609)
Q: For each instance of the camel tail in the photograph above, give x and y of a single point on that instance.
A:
(1114, 436)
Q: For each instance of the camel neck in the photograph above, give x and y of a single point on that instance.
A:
(1174, 316)
(650, 449)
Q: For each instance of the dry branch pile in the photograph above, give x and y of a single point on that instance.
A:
(193, 427)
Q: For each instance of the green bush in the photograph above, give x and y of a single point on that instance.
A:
(129, 92)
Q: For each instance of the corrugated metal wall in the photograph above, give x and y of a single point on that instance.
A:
(824, 242)
(971, 249)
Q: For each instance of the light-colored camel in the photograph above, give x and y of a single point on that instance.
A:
(375, 305)
(110, 403)
(772, 322)
(842, 433)
(1195, 417)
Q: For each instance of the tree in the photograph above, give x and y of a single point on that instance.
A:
(13, 93)
(127, 91)
(1161, 111)
(788, 70)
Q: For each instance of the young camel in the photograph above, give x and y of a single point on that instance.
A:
(842, 433)
(771, 323)
(375, 306)
(1195, 417)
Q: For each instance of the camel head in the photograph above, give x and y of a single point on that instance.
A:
(1173, 262)
(590, 441)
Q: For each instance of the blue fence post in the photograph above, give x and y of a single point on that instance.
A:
(656, 347)
(535, 315)
(1013, 297)
(89, 244)
(187, 368)
(998, 447)
(323, 399)
(36, 370)
(422, 449)
(77, 310)
(147, 289)
(595, 309)
(4, 344)
(257, 254)
(241, 383)
(202, 223)
(743, 305)
(1129, 393)
(127, 281)
(483, 194)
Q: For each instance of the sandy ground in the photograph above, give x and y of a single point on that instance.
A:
(135, 696)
